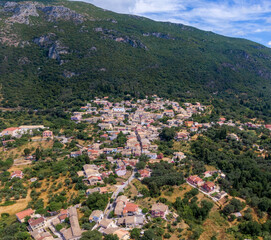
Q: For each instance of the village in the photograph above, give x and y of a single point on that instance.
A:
(127, 131)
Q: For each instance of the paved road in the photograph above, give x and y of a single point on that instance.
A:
(119, 189)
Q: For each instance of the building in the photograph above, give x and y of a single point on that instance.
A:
(41, 235)
(144, 173)
(12, 131)
(121, 171)
(130, 209)
(120, 204)
(208, 186)
(17, 173)
(47, 134)
(195, 180)
(74, 232)
(189, 123)
(159, 210)
(131, 221)
(63, 215)
(36, 223)
(179, 155)
(76, 154)
(96, 216)
(106, 223)
(26, 213)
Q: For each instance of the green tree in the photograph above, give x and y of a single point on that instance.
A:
(27, 151)
(111, 237)
(93, 235)
(135, 233)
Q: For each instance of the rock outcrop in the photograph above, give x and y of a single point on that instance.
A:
(57, 13)
(55, 48)
(21, 12)
(159, 35)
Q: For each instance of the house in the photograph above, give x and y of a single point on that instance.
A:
(182, 136)
(159, 210)
(169, 113)
(28, 129)
(130, 209)
(208, 186)
(63, 215)
(17, 173)
(179, 155)
(209, 173)
(121, 171)
(26, 213)
(96, 216)
(76, 118)
(106, 223)
(93, 180)
(36, 223)
(13, 131)
(47, 134)
(193, 129)
(76, 154)
(120, 204)
(74, 232)
(144, 173)
(189, 123)
(39, 234)
(268, 126)
(195, 180)
(237, 214)
(131, 221)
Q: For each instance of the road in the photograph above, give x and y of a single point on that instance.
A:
(120, 188)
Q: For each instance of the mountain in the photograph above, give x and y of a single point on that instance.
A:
(61, 53)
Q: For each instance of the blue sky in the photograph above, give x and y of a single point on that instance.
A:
(250, 19)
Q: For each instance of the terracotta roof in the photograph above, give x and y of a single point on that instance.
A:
(130, 207)
(34, 222)
(21, 215)
(11, 129)
(209, 184)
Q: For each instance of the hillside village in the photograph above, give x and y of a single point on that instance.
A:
(125, 149)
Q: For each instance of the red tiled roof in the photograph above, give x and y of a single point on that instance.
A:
(130, 207)
(34, 222)
(11, 129)
(209, 184)
(21, 215)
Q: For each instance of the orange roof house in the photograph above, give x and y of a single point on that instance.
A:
(144, 173)
(208, 186)
(26, 213)
(196, 180)
(130, 209)
(188, 123)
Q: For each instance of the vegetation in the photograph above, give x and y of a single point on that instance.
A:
(232, 74)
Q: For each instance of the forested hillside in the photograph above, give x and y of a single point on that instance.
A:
(60, 53)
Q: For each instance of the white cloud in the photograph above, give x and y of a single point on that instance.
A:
(269, 43)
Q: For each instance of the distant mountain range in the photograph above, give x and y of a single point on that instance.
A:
(61, 53)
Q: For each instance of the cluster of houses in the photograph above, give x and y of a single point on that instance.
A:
(41, 228)
(17, 132)
(127, 215)
(138, 121)
(207, 187)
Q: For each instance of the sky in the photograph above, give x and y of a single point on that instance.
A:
(250, 19)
